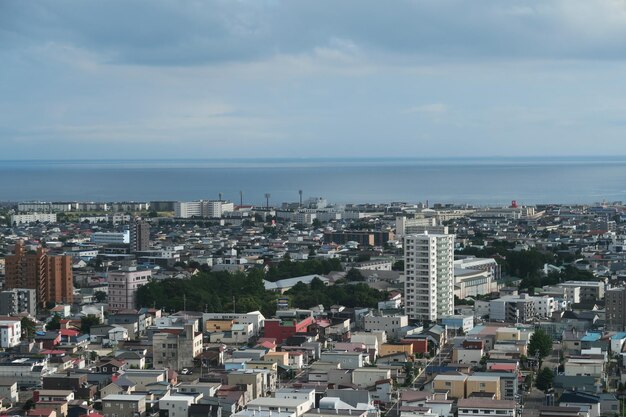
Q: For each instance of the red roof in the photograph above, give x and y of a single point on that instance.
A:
(267, 345)
(69, 332)
(503, 367)
(52, 352)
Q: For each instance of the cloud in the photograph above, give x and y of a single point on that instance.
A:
(162, 32)
(267, 77)
(434, 108)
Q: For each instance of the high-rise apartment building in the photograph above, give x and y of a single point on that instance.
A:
(139, 236)
(50, 276)
(615, 304)
(429, 276)
(123, 286)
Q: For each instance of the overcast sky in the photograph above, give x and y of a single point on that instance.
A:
(206, 79)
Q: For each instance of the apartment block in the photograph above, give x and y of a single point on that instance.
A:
(50, 276)
(123, 286)
(429, 276)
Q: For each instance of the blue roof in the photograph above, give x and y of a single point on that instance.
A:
(620, 335)
(591, 337)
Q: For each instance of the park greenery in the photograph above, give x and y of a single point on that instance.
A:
(244, 291)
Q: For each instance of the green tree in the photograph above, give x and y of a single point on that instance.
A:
(28, 328)
(54, 323)
(354, 275)
(544, 379)
(398, 265)
(87, 321)
(540, 345)
(100, 296)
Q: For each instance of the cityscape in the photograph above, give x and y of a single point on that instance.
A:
(278, 208)
(209, 307)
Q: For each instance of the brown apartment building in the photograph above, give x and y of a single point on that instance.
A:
(50, 276)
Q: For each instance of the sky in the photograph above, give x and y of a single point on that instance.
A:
(325, 78)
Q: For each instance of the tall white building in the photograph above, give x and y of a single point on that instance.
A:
(429, 276)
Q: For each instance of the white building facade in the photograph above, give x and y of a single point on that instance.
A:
(429, 276)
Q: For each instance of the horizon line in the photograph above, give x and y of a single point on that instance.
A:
(317, 158)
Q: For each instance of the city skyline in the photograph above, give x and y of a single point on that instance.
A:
(279, 79)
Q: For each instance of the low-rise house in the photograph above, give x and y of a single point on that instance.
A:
(10, 332)
(394, 348)
(367, 377)
(176, 405)
(57, 400)
(248, 377)
(347, 360)
(453, 383)
(78, 383)
(437, 403)
(478, 407)
(468, 351)
(482, 384)
(133, 405)
(589, 403)
(133, 358)
(9, 391)
(391, 325)
(286, 399)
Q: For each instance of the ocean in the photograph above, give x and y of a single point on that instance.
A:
(479, 181)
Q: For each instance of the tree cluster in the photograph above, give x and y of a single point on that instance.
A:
(211, 292)
(290, 269)
(349, 295)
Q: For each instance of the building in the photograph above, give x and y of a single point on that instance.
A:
(40, 206)
(429, 276)
(176, 405)
(120, 405)
(363, 238)
(50, 276)
(18, 300)
(10, 332)
(254, 317)
(281, 329)
(202, 208)
(615, 304)
(176, 348)
(18, 219)
(123, 286)
(458, 322)
(391, 325)
(482, 384)
(483, 407)
(139, 236)
(454, 384)
(589, 291)
(111, 238)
